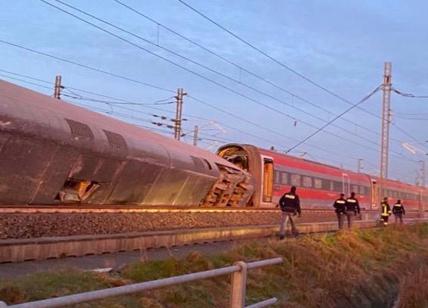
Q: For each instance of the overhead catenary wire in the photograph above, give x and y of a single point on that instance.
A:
(409, 95)
(163, 58)
(239, 67)
(281, 63)
(334, 119)
(295, 119)
(337, 117)
(191, 71)
(117, 102)
(92, 68)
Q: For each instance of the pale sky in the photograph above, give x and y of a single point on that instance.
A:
(341, 45)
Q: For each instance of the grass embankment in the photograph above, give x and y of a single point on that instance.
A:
(363, 268)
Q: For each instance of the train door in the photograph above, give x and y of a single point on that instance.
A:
(375, 194)
(267, 179)
(346, 184)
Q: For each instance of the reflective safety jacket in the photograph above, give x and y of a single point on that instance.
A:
(386, 209)
(398, 209)
(340, 205)
(352, 205)
(290, 203)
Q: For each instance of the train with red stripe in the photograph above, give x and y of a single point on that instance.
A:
(56, 153)
(318, 184)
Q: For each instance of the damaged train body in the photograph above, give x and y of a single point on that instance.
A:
(53, 152)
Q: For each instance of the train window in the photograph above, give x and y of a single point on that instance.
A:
(80, 131)
(337, 186)
(116, 140)
(325, 184)
(284, 178)
(276, 176)
(355, 189)
(295, 179)
(307, 181)
(318, 183)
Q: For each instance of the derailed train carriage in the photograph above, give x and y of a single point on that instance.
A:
(52, 152)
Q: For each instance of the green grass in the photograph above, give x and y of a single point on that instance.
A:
(347, 269)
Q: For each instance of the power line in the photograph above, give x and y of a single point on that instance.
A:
(280, 63)
(164, 101)
(28, 82)
(409, 95)
(270, 130)
(334, 119)
(287, 67)
(185, 68)
(25, 76)
(241, 68)
(115, 102)
(164, 58)
(213, 71)
(95, 69)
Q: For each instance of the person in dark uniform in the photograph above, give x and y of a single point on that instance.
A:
(290, 206)
(398, 211)
(385, 211)
(352, 209)
(340, 209)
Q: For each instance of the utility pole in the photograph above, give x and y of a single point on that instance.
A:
(178, 113)
(58, 87)
(386, 120)
(195, 135)
(360, 165)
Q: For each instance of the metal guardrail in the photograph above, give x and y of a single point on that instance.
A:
(237, 298)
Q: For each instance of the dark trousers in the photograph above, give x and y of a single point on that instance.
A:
(398, 216)
(340, 219)
(385, 219)
(285, 219)
(350, 217)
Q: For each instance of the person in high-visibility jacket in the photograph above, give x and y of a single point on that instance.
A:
(398, 211)
(386, 211)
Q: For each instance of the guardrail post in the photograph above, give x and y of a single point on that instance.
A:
(239, 284)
